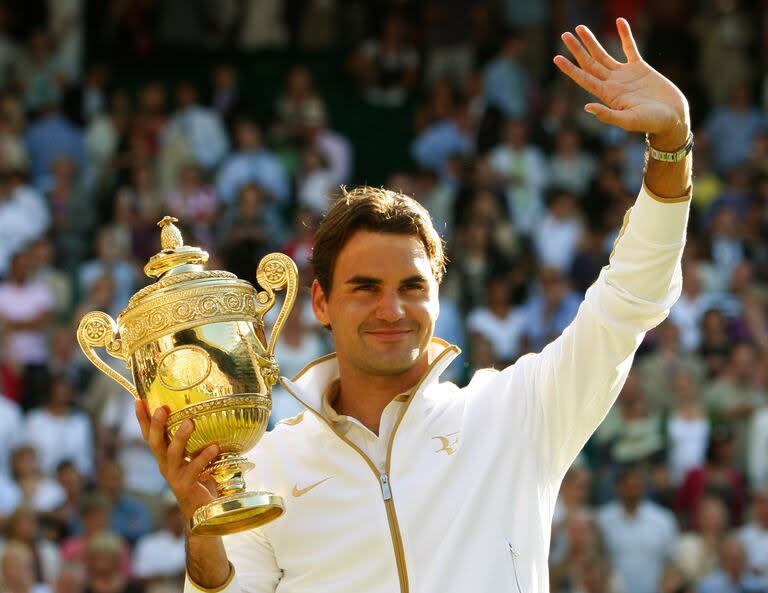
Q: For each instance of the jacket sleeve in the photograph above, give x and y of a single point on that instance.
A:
(575, 380)
(253, 566)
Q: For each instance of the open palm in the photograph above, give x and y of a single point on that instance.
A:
(633, 95)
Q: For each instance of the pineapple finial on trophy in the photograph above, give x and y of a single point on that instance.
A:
(170, 235)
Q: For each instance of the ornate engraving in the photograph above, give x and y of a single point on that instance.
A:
(175, 279)
(166, 315)
(184, 367)
(220, 403)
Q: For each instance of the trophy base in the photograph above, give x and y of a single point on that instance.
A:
(236, 512)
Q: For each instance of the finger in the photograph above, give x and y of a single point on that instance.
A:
(623, 119)
(627, 41)
(196, 467)
(595, 49)
(178, 444)
(586, 61)
(584, 79)
(156, 437)
(143, 417)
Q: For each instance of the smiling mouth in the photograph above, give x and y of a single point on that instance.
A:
(389, 335)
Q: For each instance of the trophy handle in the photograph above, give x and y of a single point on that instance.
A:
(275, 272)
(99, 330)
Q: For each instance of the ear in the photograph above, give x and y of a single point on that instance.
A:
(320, 304)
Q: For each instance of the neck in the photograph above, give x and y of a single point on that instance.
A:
(379, 390)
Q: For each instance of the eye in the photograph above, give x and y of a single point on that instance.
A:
(365, 288)
(414, 286)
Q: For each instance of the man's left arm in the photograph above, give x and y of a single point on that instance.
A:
(577, 378)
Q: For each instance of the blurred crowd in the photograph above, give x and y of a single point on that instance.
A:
(528, 191)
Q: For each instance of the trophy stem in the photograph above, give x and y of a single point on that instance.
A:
(234, 509)
(227, 470)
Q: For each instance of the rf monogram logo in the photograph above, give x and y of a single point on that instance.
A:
(447, 442)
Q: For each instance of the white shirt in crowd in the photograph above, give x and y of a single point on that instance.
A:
(24, 217)
(20, 303)
(159, 554)
(60, 438)
(47, 497)
(755, 541)
(524, 198)
(504, 335)
(757, 451)
(640, 544)
(557, 240)
(687, 444)
(140, 471)
(10, 432)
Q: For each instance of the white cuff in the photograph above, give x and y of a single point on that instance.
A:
(659, 220)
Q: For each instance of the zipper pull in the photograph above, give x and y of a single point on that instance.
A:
(385, 490)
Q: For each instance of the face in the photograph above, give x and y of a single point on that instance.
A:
(382, 305)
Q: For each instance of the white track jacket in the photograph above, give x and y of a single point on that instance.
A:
(465, 502)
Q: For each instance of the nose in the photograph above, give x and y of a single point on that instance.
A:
(390, 307)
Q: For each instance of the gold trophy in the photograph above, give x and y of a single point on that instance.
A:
(194, 342)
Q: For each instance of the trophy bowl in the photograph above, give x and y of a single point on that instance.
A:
(194, 342)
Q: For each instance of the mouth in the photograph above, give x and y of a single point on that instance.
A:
(388, 335)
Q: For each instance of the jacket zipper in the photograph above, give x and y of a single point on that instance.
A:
(386, 491)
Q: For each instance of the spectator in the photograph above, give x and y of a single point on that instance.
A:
(226, 99)
(550, 310)
(30, 485)
(24, 527)
(757, 452)
(733, 127)
(639, 535)
(687, 428)
(298, 100)
(194, 203)
(160, 556)
(560, 231)
(386, 68)
(336, 150)
(521, 167)
(50, 137)
(754, 535)
(717, 476)
(130, 518)
(18, 575)
(10, 432)
(103, 555)
(112, 258)
(252, 163)
(441, 140)
(734, 576)
(508, 87)
(697, 552)
(314, 182)
(59, 431)
(570, 167)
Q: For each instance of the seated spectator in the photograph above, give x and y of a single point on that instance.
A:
(195, 204)
(26, 307)
(73, 483)
(24, 527)
(336, 150)
(50, 137)
(687, 428)
(521, 167)
(732, 128)
(59, 431)
(130, 517)
(30, 485)
(696, 553)
(159, 556)
(314, 182)
(717, 477)
(386, 68)
(496, 330)
(226, 99)
(103, 556)
(11, 432)
(570, 167)
(715, 347)
(754, 535)
(251, 163)
(95, 513)
(639, 535)
(441, 140)
(195, 130)
(734, 575)
(507, 84)
(559, 233)
(735, 395)
(689, 309)
(298, 100)
(17, 571)
(550, 310)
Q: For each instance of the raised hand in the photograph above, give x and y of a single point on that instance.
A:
(633, 96)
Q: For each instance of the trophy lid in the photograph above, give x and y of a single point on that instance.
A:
(176, 264)
(174, 253)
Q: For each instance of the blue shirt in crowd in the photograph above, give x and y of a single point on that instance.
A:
(49, 138)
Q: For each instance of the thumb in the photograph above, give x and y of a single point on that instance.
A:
(625, 120)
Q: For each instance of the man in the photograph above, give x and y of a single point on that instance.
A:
(639, 534)
(395, 482)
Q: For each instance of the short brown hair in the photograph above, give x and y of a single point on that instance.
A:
(378, 210)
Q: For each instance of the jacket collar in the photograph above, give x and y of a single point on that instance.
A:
(310, 384)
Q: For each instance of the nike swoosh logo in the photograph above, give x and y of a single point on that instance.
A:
(302, 491)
